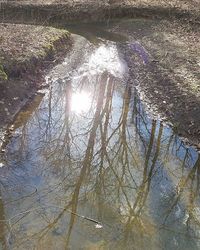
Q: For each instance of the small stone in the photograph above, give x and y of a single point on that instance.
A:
(11, 128)
(98, 226)
(1, 165)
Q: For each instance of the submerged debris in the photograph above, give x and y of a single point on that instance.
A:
(98, 224)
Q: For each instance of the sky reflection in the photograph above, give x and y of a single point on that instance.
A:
(114, 165)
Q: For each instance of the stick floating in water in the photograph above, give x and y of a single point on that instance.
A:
(98, 224)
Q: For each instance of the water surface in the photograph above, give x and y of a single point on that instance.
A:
(87, 168)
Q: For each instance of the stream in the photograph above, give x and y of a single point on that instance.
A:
(87, 168)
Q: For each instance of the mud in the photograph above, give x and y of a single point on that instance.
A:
(164, 65)
(26, 63)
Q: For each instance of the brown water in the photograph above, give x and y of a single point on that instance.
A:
(87, 168)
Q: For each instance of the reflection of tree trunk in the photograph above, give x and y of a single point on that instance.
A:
(144, 188)
(66, 122)
(2, 226)
(156, 153)
(126, 98)
(151, 141)
(68, 97)
(169, 144)
(104, 132)
(48, 125)
(193, 194)
(88, 155)
(195, 172)
(150, 174)
(147, 176)
(134, 112)
(184, 160)
(138, 117)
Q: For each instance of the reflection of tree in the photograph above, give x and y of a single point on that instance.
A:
(187, 181)
(194, 194)
(99, 158)
(2, 227)
(125, 158)
(86, 164)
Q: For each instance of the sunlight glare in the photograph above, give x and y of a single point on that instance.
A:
(80, 102)
(106, 58)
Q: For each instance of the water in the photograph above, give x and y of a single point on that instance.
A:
(87, 168)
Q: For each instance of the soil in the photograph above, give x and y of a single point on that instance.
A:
(164, 62)
(49, 12)
(26, 52)
(185, 5)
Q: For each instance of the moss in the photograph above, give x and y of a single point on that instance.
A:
(3, 75)
(50, 47)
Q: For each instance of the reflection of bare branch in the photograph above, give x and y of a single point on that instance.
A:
(180, 191)
(2, 226)
(97, 158)
(88, 157)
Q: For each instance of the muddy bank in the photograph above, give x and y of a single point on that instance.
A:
(58, 12)
(164, 60)
(26, 51)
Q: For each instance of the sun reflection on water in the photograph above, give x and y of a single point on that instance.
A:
(80, 102)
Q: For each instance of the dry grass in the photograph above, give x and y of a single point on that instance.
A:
(20, 43)
(25, 51)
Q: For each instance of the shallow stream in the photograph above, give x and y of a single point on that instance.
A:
(87, 168)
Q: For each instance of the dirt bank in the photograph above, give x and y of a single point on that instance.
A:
(164, 62)
(25, 51)
(59, 12)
